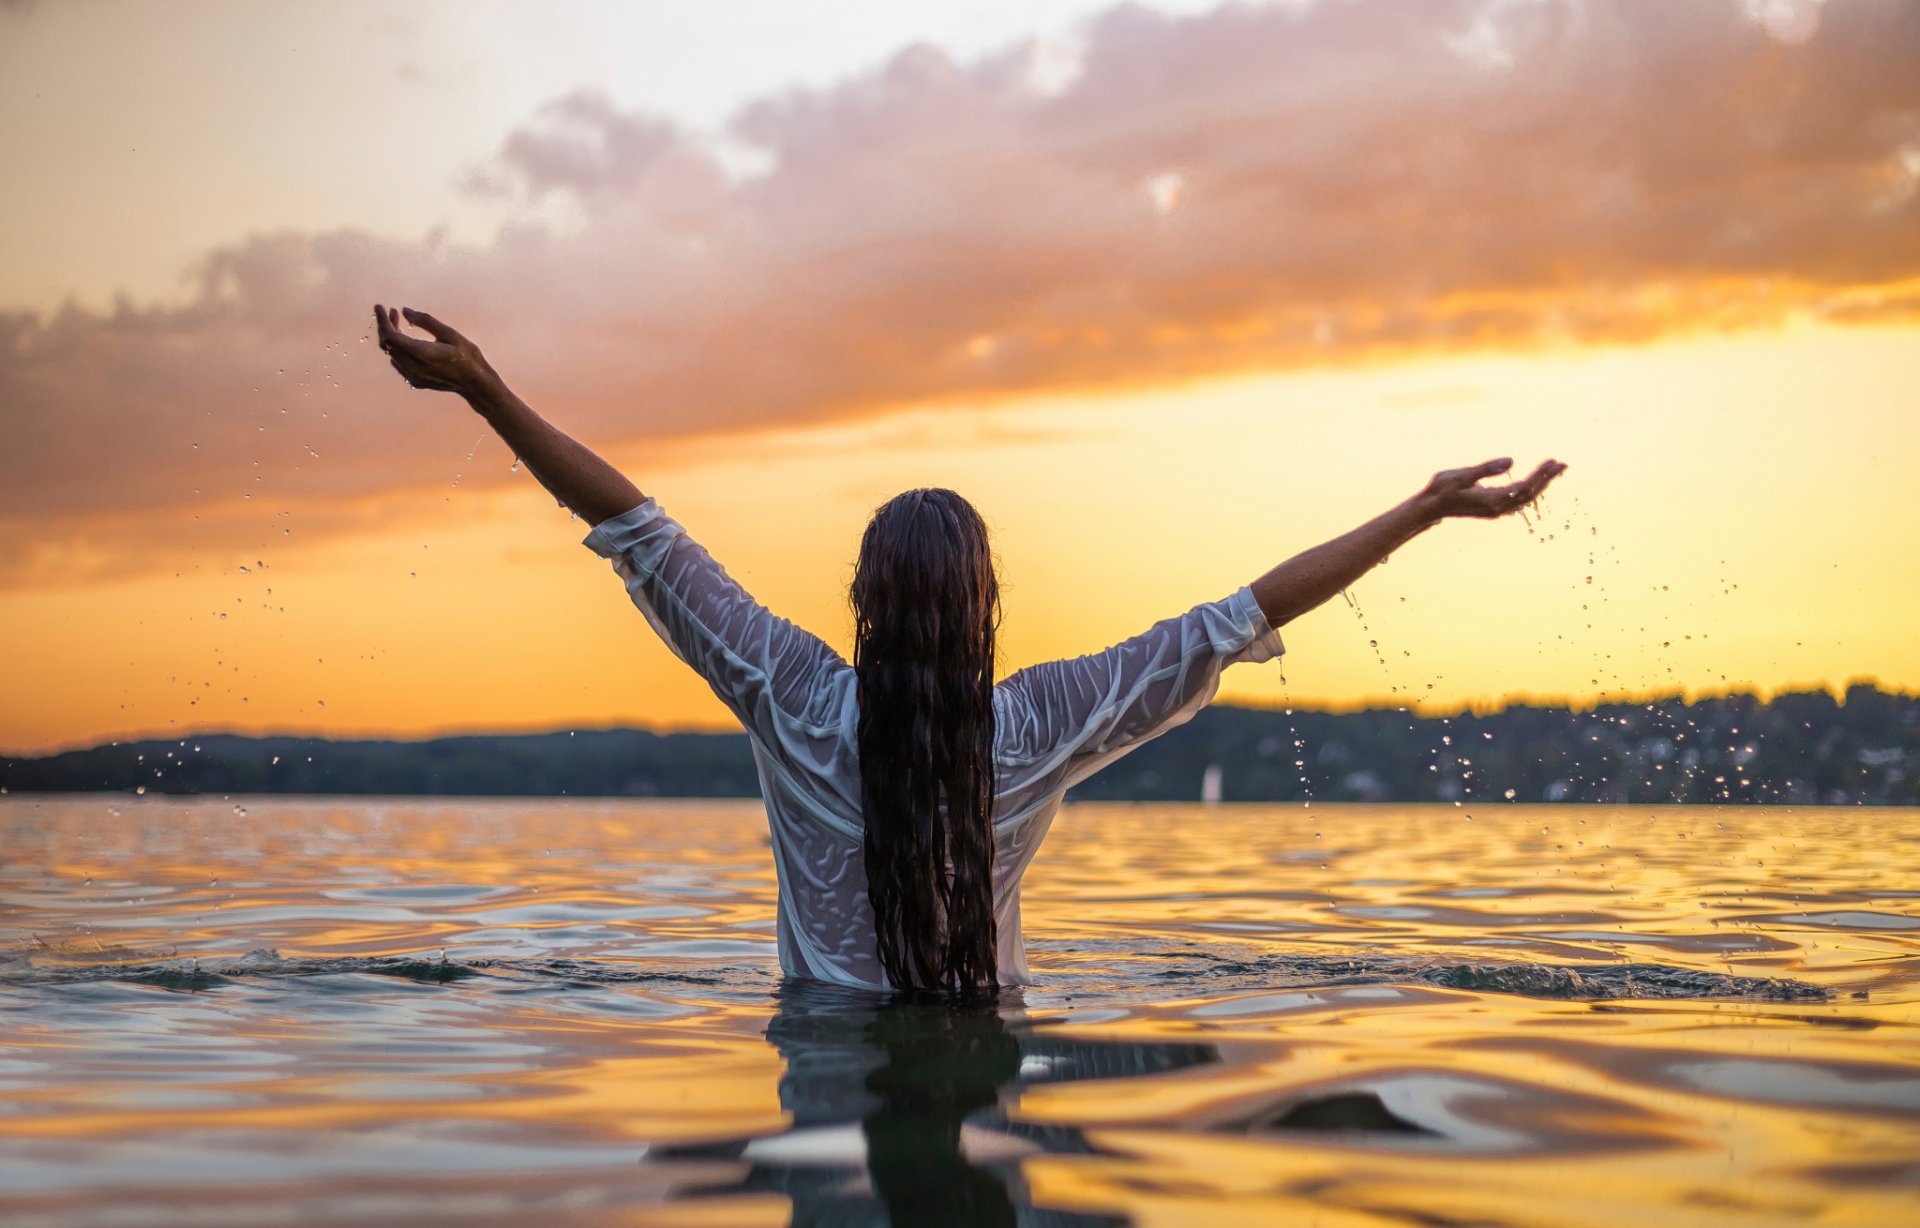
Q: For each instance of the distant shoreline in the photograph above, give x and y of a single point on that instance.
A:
(1799, 748)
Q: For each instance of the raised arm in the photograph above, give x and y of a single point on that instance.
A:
(1312, 577)
(592, 488)
(773, 675)
(1073, 717)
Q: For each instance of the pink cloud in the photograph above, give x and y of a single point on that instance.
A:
(1256, 187)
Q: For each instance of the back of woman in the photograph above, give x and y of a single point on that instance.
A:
(907, 793)
(1050, 727)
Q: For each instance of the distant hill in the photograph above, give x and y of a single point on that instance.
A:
(1800, 747)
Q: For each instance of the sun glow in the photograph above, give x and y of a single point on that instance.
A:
(1734, 517)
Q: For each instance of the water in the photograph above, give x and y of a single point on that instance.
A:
(375, 1012)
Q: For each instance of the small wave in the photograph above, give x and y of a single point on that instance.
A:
(1591, 982)
(190, 974)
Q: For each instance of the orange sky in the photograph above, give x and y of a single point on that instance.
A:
(1168, 295)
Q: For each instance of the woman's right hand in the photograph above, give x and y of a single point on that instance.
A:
(448, 363)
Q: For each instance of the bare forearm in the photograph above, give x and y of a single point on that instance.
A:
(570, 470)
(1312, 577)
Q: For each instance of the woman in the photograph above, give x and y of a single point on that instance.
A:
(907, 793)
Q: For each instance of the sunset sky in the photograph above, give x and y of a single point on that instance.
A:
(1170, 291)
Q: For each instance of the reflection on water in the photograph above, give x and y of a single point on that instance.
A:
(548, 1012)
(879, 1095)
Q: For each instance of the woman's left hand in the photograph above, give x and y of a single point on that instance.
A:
(1457, 492)
(448, 363)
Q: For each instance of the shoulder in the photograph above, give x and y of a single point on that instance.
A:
(1021, 731)
(823, 702)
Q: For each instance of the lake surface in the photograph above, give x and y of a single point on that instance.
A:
(307, 1011)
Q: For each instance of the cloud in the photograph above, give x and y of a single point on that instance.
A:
(1251, 188)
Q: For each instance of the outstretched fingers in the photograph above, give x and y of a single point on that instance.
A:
(391, 338)
(1526, 490)
(447, 362)
(1457, 481)
(1542, 474)
(434, 328)
(1459, 492)
(401, 350)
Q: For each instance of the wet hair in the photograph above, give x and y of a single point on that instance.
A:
(926, 605)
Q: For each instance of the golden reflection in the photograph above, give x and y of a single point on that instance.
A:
(1235, 1017)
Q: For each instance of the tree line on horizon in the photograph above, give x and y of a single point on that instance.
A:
(1800, 747)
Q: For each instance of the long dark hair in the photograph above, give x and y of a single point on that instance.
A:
(926, 604)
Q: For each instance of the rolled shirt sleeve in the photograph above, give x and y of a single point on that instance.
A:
(1080, 715)
(769, 672)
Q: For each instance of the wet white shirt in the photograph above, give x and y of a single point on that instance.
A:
(1054, 725)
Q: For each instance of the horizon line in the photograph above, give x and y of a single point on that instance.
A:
(1332, 708)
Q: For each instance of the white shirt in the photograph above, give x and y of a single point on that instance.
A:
(1054, 725)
